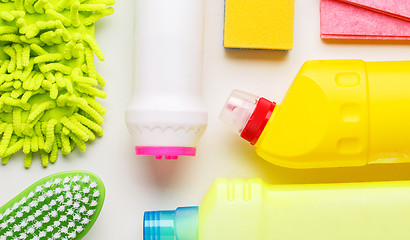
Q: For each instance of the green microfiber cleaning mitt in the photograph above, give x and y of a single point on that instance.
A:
(48, 81)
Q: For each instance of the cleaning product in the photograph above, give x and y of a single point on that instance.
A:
(263, 24)
(61, 206)
(243, 210)
(166, 116)
(48, 80)
(336, 113)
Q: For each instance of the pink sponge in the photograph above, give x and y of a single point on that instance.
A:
(365, 19)
(395, 8)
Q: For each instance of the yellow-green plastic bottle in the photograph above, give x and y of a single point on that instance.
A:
(336, 113)
(250, 209)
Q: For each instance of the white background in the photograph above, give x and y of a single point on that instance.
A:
(135, 184)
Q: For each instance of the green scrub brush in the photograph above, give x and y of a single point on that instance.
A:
(61, 206)
(48, 81)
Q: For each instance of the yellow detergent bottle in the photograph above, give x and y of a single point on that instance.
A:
(337, 113)
(250, 209)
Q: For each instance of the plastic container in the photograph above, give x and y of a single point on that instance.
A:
(336, 113)
(166, 116)
(243, 210)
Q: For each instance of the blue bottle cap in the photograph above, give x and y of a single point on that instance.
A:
(181, 224)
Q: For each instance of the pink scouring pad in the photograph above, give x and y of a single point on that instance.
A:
(341, 20)
(396, 8)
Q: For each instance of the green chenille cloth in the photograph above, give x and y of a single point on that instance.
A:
(48, 81)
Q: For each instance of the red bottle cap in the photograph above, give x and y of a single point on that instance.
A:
(258, 120)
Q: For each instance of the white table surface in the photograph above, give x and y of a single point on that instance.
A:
(135, 184)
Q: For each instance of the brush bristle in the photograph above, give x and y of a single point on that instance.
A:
(60, 208)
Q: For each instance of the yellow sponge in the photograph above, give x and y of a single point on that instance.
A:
(259, 24)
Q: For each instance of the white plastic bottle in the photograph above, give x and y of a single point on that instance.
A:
(167, 116)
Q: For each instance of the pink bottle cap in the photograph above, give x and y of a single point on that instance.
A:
(168, 152)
